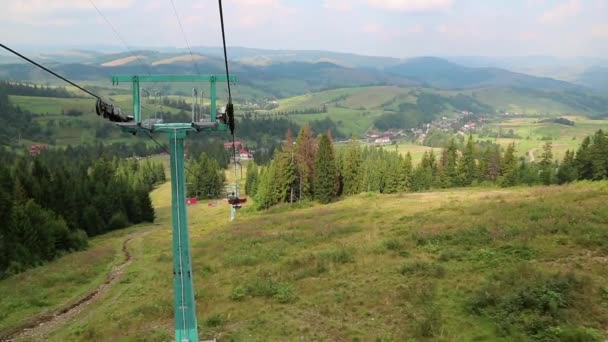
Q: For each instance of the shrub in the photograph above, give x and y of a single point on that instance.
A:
(429, 324)
(392, 244)
(526, 300)
(118, 221)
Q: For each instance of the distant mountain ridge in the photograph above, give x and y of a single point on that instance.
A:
(440, 73)
(272, 70)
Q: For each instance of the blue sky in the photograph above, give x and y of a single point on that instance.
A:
(398, 28)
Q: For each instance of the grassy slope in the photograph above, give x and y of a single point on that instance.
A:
(322, 273)
(563, 137)
(66, 279)
(519, 102)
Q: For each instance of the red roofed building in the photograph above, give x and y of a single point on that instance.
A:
(238, 144)
(245, 155)
(36, 149)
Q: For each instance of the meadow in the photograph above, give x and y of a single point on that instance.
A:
(443, 266)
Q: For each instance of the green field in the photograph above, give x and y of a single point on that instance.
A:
(519, 102)
(533, 133)
(357, 107)
(405, 267)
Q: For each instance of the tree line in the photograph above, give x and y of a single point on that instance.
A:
(51, 203)
(205, 177)
(312, 169)
(24, 89)
(16, 123)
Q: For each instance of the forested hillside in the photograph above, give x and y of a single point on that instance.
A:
(51, 203)
(313, 170)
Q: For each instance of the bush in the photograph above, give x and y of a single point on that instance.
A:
(118, 221)
(526, 300)
(392, 244)
(238, 293)
(429, 323)
(572, 334)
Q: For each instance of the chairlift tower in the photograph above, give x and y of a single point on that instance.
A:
(186, 329)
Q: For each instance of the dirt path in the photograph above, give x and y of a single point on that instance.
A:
(531, 154)
(39, 326)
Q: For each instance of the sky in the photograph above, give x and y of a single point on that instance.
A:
(397, 28)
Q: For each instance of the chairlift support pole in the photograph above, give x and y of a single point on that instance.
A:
(186, 329)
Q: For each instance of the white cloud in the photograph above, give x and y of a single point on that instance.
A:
(42, 7)
(372, 28)
(600, 31)
(412, 5)
(338, 5)
(561, 12)
(415, 29)
(254, 13)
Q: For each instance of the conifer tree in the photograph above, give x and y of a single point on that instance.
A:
(145, 203)
(567, 169)
(546, 164)
(583, 160)
(598, 152)
(509, 169)
(305, 160)
(265, 196)
(251, 180)
(467, 167)
(352, 169)
(325, 171)
(405, 178)
(448, 164)
(286, 169)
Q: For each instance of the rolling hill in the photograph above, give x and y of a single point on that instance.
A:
(595, 77)
(439, 73)
(286, 73)
(371, 267)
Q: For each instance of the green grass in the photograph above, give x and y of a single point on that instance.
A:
(51, 105)
(516, 101)
(533, 132)
(404, 267)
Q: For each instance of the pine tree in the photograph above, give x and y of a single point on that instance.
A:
(92, 223)
(265, 196)
(509, 169)
(598, 152)
(447, 165)
(305, 160)
(567, 169)
(583, 160)
(325, 171)
(145, 203)
(286, 170)
(467, 167)
(405, 175)
(490, 164)
(393, 173)
(251, 180)
(352, 169)
(546, 164)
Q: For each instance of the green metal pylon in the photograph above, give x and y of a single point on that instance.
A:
(186, 329)
(184, 305)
